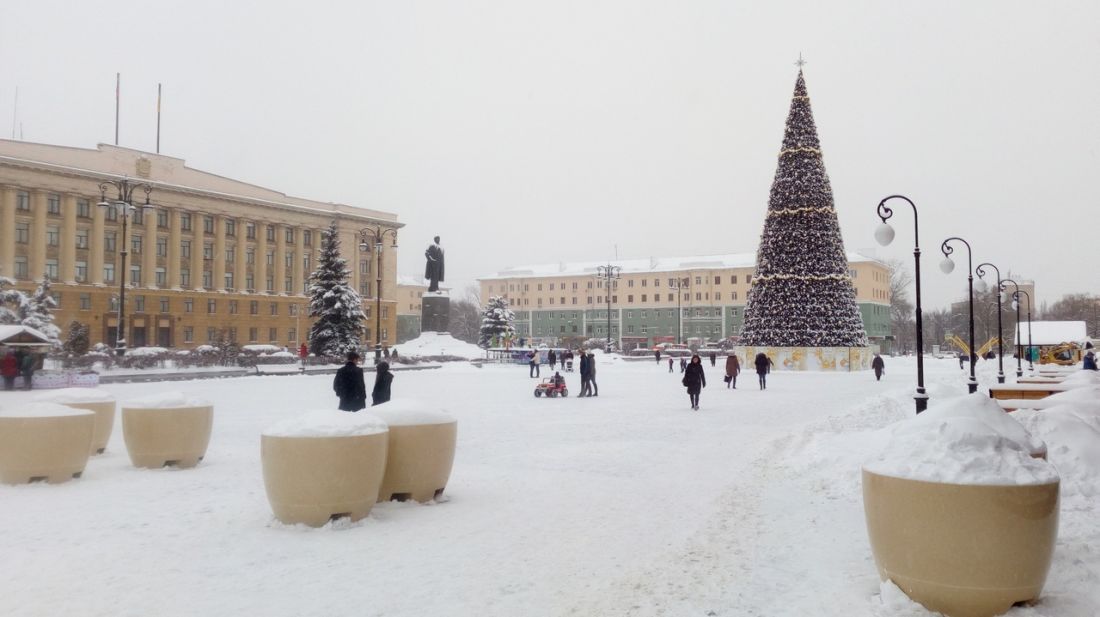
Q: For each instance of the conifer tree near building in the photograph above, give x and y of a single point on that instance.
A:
(497, 322)
(337, 307)
(802, 294)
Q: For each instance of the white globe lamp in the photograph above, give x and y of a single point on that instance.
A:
(884, 234)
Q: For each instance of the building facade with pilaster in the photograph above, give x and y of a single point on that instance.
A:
(211, 254)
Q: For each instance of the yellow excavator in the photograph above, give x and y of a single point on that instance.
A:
(1066, 354)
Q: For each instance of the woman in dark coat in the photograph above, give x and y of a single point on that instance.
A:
(733, 368)
(879, 366)
(695, 380)
(763, 367)
(349, 385)
(382, 380)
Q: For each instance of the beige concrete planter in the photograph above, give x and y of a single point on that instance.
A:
(421, 454)
(167, 436)
(49, 442)
(962, 550)
(313, 480)
(104, 422)
(92, 399)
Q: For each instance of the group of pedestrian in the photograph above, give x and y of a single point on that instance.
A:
(16, 363)
(350, 386)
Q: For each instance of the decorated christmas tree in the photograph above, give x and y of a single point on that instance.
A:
(802, 294)
(497, 322)
(336, 305)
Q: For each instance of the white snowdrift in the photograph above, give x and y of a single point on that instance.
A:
(439, 344)
(1072, 434)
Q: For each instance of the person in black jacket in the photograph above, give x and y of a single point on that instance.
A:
(382, 380)
(586, 375)
(695, 380)
(879, 366)
(763, 367)
(349, 385)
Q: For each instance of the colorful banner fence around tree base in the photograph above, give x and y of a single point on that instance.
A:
(807, 358)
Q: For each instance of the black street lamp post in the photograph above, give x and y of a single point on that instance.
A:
(124, 206)
(884, 235)
(609, 274)
(679, 284)
(1030, 366)
(1016, 305)
(980, 270)
(947, 266)
(369, 236)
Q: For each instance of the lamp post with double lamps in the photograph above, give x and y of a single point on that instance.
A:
(982, 287)
(124, 207)
(368, 237)
(677, 284)
(1015, 305)
(1030, 366)
(947, 266)
(884, 234)
(609, 274)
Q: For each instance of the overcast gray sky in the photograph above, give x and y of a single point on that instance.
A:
(530, 132)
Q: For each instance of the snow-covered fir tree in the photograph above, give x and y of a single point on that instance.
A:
(497, 322)
(37, 312)
(12, 302)
(337, 307)
(78, 341)
(802, 294)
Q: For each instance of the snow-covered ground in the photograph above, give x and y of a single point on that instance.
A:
(624, 504)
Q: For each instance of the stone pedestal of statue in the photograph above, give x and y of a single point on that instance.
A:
(435, 312)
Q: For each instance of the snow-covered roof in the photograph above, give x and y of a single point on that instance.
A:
(647, 265)
(1054, 332)
(21, 335)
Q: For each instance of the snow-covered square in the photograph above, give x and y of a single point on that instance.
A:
(628, 503)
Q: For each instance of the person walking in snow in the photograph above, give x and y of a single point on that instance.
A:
(382, 380)
(879, 366)
(670, 364)
(1089, 362)
(713, 358)
(533, 363)
(733, 368)
(9, 369)
(593, 386)
(552, 358)
(763, 367)
(349, 385)
(695, 380)
(586, 383)
(27, 366)
(683, 364)
(657, 352)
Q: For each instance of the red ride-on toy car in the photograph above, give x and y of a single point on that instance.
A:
(551, 387)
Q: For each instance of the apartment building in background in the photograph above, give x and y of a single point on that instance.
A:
(212, 253)
(554, 302)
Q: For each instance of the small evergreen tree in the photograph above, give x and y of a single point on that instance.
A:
(337, 307)
(497, 321)
(12, 302)
(76, 344)
(37, 312)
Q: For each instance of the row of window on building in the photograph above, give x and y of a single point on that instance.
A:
(231, 307)
(599, 283)
(646, 329)
(700, 296)
(137, 217)
(642, 314)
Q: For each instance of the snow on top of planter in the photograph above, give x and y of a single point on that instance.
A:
(328, 423)
(960, 442)
(411, 413)
(42, 409)
(166, 400)
(1072, 434)
(282, 354)
(76, 395)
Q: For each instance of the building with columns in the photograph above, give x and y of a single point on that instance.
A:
(211, 254)
(555, 302)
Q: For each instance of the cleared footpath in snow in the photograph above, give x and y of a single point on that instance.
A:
(624, 504)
